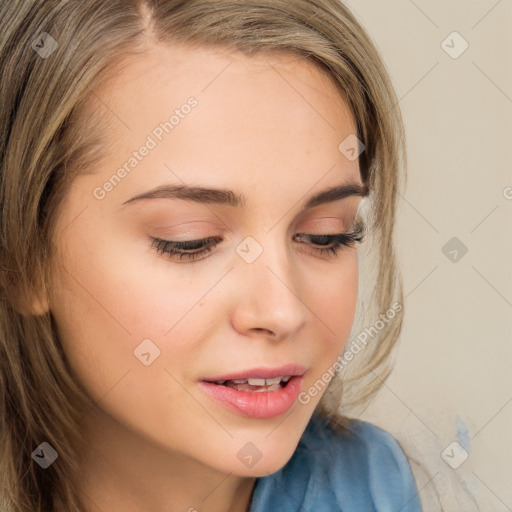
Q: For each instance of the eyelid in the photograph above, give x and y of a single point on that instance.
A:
(335, 243)
(190, 228)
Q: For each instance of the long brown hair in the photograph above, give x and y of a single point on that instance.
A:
(52, 56)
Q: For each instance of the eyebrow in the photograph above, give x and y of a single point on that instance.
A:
(230, 198)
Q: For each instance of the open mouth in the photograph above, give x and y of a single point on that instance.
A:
(261, 393)
(255, 396)
(255, 385)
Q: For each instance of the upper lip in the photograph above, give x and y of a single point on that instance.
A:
(263, 373)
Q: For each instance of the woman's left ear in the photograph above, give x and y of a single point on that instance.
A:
(27, 302)
(36, 306)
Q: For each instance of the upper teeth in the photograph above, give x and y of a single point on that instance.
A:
(258, 382)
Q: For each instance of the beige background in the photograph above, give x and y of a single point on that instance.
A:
(452, 379)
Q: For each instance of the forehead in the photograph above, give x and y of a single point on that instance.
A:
(253, 116)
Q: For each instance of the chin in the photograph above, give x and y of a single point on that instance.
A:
(258, 459)
(267, 465)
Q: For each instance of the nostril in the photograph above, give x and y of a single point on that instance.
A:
(264, 330)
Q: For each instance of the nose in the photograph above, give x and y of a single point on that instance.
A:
(268, 296)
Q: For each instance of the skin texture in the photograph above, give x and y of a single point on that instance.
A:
(267, 127)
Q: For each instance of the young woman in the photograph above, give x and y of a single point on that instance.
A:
(181, 187)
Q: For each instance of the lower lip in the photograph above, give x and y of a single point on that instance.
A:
(261, 404)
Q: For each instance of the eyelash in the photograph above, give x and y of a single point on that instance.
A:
(181, 249)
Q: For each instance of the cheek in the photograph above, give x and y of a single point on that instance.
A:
(103, 311)
(334, 304)
(106, 302)
(337, 292)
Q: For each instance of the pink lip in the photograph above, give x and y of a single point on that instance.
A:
(263, 373)
(261, 405)
(264, 404)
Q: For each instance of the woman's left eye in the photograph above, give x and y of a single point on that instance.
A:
(192, 250)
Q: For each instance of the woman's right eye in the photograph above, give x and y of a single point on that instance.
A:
(187, 250)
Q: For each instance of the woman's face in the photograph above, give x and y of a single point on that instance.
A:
(142, 328)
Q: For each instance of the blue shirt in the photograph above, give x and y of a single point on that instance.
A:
(364, 470)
